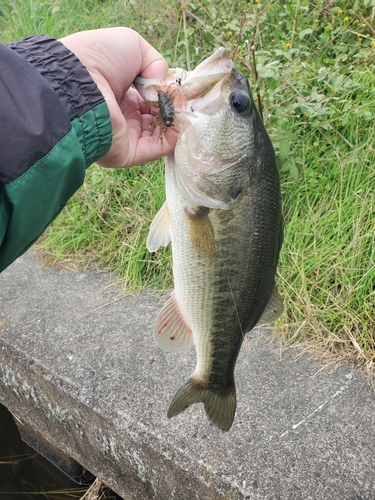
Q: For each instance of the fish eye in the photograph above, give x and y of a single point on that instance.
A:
(240, 103)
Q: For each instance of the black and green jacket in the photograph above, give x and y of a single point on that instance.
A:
(54, 123)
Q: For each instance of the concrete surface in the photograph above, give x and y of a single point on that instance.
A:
(78, 365)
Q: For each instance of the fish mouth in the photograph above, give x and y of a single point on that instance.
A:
(188, 85)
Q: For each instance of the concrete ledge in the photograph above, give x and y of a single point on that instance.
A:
(78, 366)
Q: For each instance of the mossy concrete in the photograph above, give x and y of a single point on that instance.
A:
(79, 367)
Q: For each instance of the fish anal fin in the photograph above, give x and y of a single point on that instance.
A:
(201, 232)
(273, 310)
(171, 332)
(160, 230)
(220, 407)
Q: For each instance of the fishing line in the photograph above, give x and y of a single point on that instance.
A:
(230, 288)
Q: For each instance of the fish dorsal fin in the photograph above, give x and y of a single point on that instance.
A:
(273, 310)
(171, 332)
(160, 230)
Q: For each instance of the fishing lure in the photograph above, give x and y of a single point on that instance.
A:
(166, 108)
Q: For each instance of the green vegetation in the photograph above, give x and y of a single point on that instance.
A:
(312, 69)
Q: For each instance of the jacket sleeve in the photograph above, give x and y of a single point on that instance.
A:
(54, 123)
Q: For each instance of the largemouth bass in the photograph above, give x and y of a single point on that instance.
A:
(223, 216)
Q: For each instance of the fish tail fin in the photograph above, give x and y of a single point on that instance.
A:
(220, 407)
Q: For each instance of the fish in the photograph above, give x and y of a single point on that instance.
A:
(223, 217)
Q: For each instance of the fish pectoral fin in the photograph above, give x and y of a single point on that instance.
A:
(160, 230)
(273, 310)
(220, 407)
(201, 232)
(171, 332)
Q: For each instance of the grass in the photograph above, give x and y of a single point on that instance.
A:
(312, 69)
(98, 491)
(112, 215)
(327, 264)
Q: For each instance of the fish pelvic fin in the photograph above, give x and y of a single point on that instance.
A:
(219, 407)
(171, 332)
(160, 230)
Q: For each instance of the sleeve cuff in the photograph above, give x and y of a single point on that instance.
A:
(85, 104)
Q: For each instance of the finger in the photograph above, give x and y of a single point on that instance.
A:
(153, 63)
(118, 55)
(148, 125)
(151, 148)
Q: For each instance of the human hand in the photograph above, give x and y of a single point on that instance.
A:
(114, 57)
